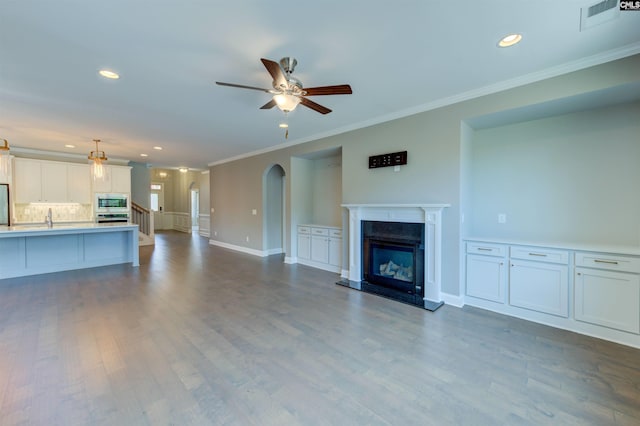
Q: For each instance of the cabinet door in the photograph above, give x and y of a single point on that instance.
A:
(79, 180)
(121, 180)
(320, 249)
(608, 298)
(27, 181)
(304, 246)
(335, 251)
(539, 286)
(54, 182)
(486, 277)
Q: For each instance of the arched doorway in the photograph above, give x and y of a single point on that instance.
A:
(273, 235)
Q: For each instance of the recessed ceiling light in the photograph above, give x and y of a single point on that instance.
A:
(109, 74)
(510, 40)
(143, 155)
(283, 125)
(183, 170)
(69, 146)
(159, 148)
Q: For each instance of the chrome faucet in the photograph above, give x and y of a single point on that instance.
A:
(48, 219)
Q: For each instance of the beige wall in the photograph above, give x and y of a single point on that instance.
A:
(437, 144)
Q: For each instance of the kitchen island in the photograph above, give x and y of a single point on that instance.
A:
(31, 250)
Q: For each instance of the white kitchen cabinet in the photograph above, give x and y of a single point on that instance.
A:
(39, 181)
(117, 180)
(54, 182)
(27, 181)
(607, 291)
(320, 247)
(486, 271)
(79, 183)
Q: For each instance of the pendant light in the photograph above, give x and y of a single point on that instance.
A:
(5, 158)
(97, 157)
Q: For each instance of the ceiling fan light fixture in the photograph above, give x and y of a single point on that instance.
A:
(286, 102)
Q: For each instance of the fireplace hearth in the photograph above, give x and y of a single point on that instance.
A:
(393, 260)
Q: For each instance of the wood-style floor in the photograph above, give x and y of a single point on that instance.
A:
(200, 335)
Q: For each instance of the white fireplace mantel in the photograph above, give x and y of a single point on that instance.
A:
(429, 214)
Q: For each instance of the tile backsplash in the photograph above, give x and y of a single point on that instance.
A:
(61, 212)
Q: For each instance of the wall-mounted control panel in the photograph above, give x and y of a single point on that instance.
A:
(387, 160)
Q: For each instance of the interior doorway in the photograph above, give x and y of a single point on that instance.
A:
(157, 205)
(274, 212)
(195, 210)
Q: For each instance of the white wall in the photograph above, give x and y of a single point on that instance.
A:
(326, 191)
(435, 143)
(572, 178)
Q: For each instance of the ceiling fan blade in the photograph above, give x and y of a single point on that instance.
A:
(269, 105)
(242, 86)
(314, 106)
(342, 89)
(279, 80)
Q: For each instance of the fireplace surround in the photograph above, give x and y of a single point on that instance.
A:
(428, 251)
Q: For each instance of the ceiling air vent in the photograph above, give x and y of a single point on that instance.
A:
(598, 13)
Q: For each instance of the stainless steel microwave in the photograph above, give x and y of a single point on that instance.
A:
(112, 203)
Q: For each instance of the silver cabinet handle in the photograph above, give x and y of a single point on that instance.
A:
(483, 249)
(610, 262)
(538, 254)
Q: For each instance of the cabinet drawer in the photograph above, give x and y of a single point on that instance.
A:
(335, 233)
(304, 230)
(487, 249)
(608, 262)
(320, 231)
(540, 254)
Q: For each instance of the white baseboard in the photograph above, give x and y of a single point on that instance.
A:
(234, 247)
(318, 265)
(450, 299)
(271, 252)
(344, 274)
(290, 260)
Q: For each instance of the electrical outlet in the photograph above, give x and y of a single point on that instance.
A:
(502, 218)
(212, 210)
(254, 212)
(247, 238)
(215, 233)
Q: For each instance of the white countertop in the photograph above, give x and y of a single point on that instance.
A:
(602, 248)
(62, 228)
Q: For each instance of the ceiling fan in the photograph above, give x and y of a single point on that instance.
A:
(288, 91)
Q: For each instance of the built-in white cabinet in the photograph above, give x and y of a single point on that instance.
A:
(595, 293)
(607, 290)
(117, 180)
(486, 267)
(335, 247)
(539, 280)
(320, 247)
(38, 181)
(304, 242)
